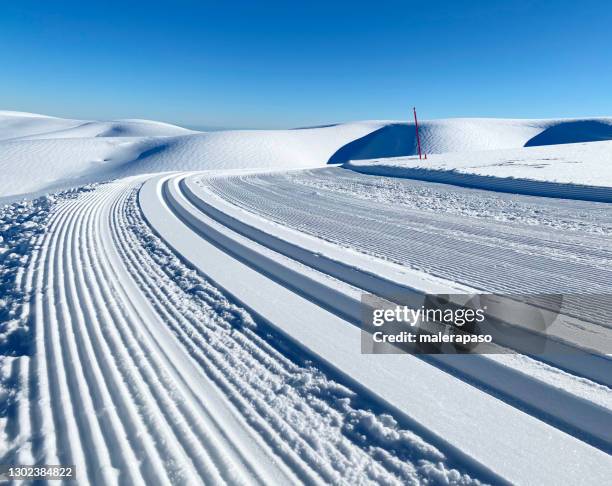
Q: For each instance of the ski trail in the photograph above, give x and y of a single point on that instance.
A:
(142, 372)
(106, 379)
(519, 258)
(56, 340)
(22, 431)
(155, 375)
(78, 394)
(239, 359)
(182, 224)
(104, 400)
(203, 415)
(52, 414)
(184, 328)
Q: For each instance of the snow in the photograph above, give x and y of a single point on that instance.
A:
(39, 154)
(145, 372)
(427, 395)
(472, 134)
(30, 126)
(186, 314)
(42, 154)
(246, 204)
(427, 239)
(20, 226)
(574, 171)
(416, 247)
(14, 124)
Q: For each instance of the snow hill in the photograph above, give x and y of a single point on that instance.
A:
(29, 126)
(40, 153)
(472, 134)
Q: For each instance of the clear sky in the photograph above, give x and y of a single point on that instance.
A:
(296, 63)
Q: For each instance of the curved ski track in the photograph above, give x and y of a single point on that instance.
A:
(144, 373)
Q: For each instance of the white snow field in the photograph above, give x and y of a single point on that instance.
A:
(186, 310)
(39, 154)
(572, 171)
(45, 153)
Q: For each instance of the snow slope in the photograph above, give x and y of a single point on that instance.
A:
(472, 134)
(30, 126)
(39, 154)
(15, 124)
(573, 171)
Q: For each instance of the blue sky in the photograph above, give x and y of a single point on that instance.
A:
(287, 64)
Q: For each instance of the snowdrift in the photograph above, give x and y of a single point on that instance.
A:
(30, 126)
(471, 134)
(571, 171)
(39, 154)
(15, 124)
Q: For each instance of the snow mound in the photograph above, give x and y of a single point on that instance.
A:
(119, 128)
(571, 171)
(574, 131)
(39, 154)
(35, 167)
(30, 126)
(15, 124)
(243, 149)
(97, 151)
(472, 134)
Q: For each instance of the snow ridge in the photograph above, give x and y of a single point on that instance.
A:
(45, 154)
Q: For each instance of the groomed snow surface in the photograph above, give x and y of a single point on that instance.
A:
(572, 171)
(164, 325)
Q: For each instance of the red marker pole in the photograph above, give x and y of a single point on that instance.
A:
(416, 127)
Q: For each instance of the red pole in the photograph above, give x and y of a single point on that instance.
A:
(416, 127)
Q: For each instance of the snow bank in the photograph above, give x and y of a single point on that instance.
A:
(40, 154)
(472, 134)
(245, 149)
(53, 154)
(15, 124)
(20, 226)
(30, 126)
(570, 171)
